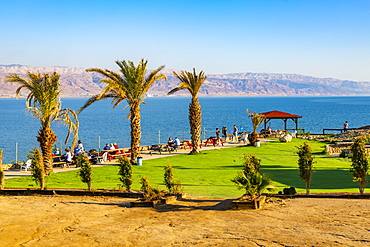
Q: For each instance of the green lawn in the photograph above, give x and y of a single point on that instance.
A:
(208, 173)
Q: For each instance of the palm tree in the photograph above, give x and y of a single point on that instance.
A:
(192, 82)
(43, 102)
(253, 183)
(257, 119)
(131, 86)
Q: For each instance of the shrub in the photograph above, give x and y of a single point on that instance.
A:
(251, 179)
(85, 171)
(360, 163)
(125, 172)
(37, 167)
(305, 163)
(251, 164)
(253, 183)
(150, 193)
(289, 191)
(172, 186)
(2, 175)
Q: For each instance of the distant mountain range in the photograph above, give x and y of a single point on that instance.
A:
(75, 82)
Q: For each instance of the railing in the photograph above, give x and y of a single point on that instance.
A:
(341, 130)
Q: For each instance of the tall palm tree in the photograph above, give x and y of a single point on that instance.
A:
(131, 86)
(192, 82)
(43, 102)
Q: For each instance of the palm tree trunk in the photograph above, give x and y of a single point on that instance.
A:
(195, 120)
(47, 138)
(135, 131)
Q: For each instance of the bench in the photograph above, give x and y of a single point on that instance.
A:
(146, 149)
(58, 161)
(161, 148)
(214, 142)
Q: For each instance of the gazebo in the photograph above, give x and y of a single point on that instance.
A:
(280, 115)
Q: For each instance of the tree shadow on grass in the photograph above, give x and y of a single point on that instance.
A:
(328, 179)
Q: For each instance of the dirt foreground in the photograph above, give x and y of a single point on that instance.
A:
(106, 221)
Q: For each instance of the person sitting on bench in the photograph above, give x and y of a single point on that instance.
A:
(176, 143)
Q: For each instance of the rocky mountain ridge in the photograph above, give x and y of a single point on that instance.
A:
(76, 82)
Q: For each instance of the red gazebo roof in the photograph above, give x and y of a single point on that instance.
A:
(279, 114)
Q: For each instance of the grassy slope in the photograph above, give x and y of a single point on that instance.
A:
(209, 173)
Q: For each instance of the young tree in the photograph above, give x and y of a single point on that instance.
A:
(251, 164)
(43, 101)
(251, 179)
(125, 172)
(169, 180)
(37, 167)
(151, 193)
(257, 119)
(305, 163)
(192, 82)
(360, 163)
(253, 183)
(2, 175)
(85, 171)
(131, 86)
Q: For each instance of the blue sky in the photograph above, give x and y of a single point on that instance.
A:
(326, 38)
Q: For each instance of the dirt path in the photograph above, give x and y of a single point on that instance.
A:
(102, 221)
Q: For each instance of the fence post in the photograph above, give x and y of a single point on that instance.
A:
(16, 152)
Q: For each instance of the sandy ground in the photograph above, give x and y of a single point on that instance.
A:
(106, 221)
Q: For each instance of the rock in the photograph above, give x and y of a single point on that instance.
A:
(285, 138)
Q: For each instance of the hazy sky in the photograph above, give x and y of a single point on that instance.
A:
(324, 38)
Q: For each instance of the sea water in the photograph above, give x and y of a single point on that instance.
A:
(166, 117)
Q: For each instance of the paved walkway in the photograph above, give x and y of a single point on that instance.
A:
(146, 156)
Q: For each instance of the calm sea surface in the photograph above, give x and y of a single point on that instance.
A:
(168, 117)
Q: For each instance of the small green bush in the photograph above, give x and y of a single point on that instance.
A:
(305, 164)
(172, 186)
(150, 193)
(85, 171)
(125, 172)
(289, 191)
(2, 175)
(37, 167)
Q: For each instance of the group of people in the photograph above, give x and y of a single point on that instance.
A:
(223, 131)
(110, 146)
(174, 143)
(68, 156)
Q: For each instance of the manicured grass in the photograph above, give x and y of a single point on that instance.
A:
(208, 174)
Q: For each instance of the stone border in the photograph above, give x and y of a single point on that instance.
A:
(51, 192)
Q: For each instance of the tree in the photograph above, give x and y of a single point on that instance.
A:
(125, 171)
(305, 163)
(43, 101)
(251, 164)
(169, 180)
(192, 82)
(37, 167)
(85, 171)
(131, 86)
(253, 183)
(2, 175)
(257, 119)
(151, 193)
(360, 163)
(251, 179)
